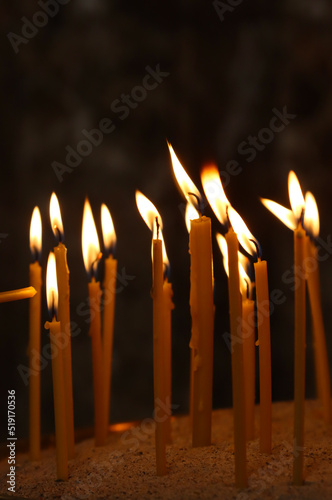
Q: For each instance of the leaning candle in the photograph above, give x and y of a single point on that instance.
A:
(91, 254)
(57, 372)
(161, 366)
(19, 294)
(293, 220)
(34, 337)
(220, 205)
(60, 252)
(201, 308)
(110, 265)
(311, 223)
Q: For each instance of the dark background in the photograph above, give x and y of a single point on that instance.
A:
(225, 78)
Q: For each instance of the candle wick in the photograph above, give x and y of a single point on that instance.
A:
(199, 203)
(301, 220)
(248, 288)
(97, 259)
(228, 219)
(258, 249)
(58, 233)
(158, 227)
(35, 253)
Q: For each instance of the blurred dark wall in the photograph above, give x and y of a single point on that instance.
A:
(225, 79)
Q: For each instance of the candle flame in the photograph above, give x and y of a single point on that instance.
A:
(108, 230)
(295, 195)
(214, 192)
(51, 286)
(243, 262)
(150, 215)
(55, 216)
(191, 214)
(243, 234)
(35, 233)
(284, 214)
(311, 215)
(186, 185)
(90, 241)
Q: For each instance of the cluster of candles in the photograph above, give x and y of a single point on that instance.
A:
(237, 246)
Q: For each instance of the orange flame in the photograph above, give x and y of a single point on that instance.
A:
(90, 241)
(311, 215)
(214, 192)
(149, 214)
(55, 216)
(35, 233)
(51, 285)
(108, 230)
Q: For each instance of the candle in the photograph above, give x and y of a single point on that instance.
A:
(247, 336)
(201, 308)
(57, 371)
(293, 220)
(19, 294)
(60, 252)
(168, 306)
(91, 255)
(34, 337)
(161, 365)
(264, 340)
(219, 203)
(311, 223)
(110, 264)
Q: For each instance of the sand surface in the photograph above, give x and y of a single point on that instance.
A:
(125, 467)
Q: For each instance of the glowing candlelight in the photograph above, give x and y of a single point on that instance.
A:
(34, 336)
(201, 306)
(60, 252)
(91, 255)
(109, 238)
(57, 370)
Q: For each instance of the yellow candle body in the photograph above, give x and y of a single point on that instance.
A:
(299, 362)
(60, 253)
(108, 328)
(320, 351)
(158, 355)
(21, 293)
(235, 311)
(97, 360)
(264, 339)
(168, 306)
(248, 335)
(59, 399)
(202, 317)
(34, 362)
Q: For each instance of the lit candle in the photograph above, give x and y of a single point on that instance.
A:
(293, 220)
(220, 205)
(311, 224)
(60, 252)
(110, 264)
(201, 308)
(91, 255)
(161, 364)
(248, 336)
(251, 245)
(19, 294)
(57, 371)
(34, 336)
